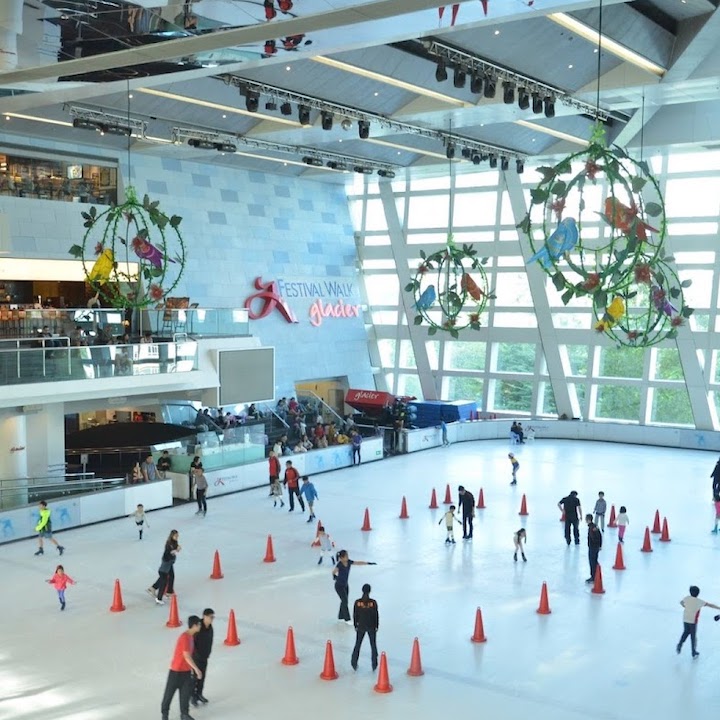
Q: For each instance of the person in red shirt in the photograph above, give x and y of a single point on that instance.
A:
(291, 480)
(181, 672)
(274, 468)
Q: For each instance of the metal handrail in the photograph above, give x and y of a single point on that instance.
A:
(50, 491)
(64, 485)
(324, 404)
(272, 412)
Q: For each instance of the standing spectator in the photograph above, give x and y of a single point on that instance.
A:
(443, 429)
(137, 475)
(311, 495)
(449, 518)
(466, 501)
(622, 523)
(201, 654)
(515, 467)
(516, 429)
(166, 572)
(44, 529)
(594, 538)
(570, 505)
(147, 338)
(292, 476)
(164, 464)
(182, 667)
(356, 441)
(366, 620)
(600, 508)
(692, 605)
(140, 519)
(149, 469)
(341, 573)
(519, 538)
(60, 582)
(201, 486)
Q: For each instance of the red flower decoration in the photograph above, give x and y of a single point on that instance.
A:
(591, 169)
(643, 274)
(677, 321)
(593, 280)
(558, 206)
(633, 335)
(156, 292)
(474, 318)
(450, 322)
(422, 268)
(99, 247)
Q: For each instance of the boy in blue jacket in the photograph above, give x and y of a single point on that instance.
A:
(308, 490)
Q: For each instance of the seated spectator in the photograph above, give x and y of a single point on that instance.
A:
(252, 411)
(306, 443)
(285, 445)
(282, 408)
(342, 439)
(319, 432)
(147, 337)
(516, 429)
(321, 442)
(319, 419)
(77, 337)
(331, 434)
(277, 448)
(164, 464)
(230, 420)
(123, 363)
(137, 476)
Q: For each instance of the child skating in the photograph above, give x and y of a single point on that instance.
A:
(716, 502)
(325, 543)
(515, 467)
(140, 520)
(519, 538)
(308, 490)
(448, 518)
(622, 523)
(60, 582)
(600, 508)
(276, 492)
(692, 605)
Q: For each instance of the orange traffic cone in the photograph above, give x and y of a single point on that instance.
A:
(328, 672)
(613, 521)
(523, 506)
(433, 501)
(232, 635)
(562, 517)
(478, 635)
(383, 683)
(174, 619)
(415, 669)
(269, 553)
(216, 571)
(366, 521)
(290, 657)
(647, 547)
(117, 603)
(656, 524)
(448, 496)
(403, 510)
(598, 588)
(619, 563)
(481, 500)
(544, 607)
(665, 534)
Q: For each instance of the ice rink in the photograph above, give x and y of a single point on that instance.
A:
(608, 656)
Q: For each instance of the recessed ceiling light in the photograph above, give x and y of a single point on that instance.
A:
(399, 151)
(339, 139)
(224, 116)
(596, 50)
(7, 117)
(130, 95)
(533, 139)
(376, 94)
(288, 68)
(570, 67)
(482, 124)
(497, 32)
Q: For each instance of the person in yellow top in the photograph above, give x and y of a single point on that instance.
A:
(44, 529)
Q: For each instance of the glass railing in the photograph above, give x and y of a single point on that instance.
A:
(55, 359)
(195, 321)
(17, 493)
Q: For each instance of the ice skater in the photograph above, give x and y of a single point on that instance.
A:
(515, 467)
(599, 511)
(692, 604)
(519, 538)
(201, 654)
(201, 488)
(180, 676)
(716, 502)
(366, 619)
(325, 543)
(165, 584)
(276, 492)
(140, 520)
(570, 505)
(308, 490)
(44, 529)
(60, 582)
(341, 573)
(291, 482)
(594, 540)
(448, 518)
(466, 501)
(622, 522)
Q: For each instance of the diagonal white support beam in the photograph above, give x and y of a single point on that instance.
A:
(566, 403)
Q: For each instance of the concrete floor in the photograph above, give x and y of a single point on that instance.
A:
(605, 657)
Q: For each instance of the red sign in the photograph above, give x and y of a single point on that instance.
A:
(371, 398)
(271, 299)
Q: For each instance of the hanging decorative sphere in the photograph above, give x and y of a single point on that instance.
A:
(450, 289)
(133, 254)
(648, 310)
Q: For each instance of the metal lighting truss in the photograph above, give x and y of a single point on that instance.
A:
(344, 111)
(474, 64)
(229, 142)
(108, 122)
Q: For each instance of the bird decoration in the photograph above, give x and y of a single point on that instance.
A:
(613, 312)
(103, 267)
(426, 300)
(471, 287)
(147, 251)
(625, 218)
(562, 241)
(661, 302)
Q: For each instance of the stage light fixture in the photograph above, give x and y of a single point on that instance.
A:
(537, 103)
(549, 106)
(363, 129)
(466, 153)
(225, 147)
(490, 87)
(504, 163)
(389, 174)
(271, 105)
(493, 161)
(83, 124)
(450, 151)
(362, 170)
(286, 109)
(315, 162)
(441, 71)
(476, 84)
(346, 124)
(121, 130)
(326, 120)
(252, 100)
(201, 144)
(476, 159)
(459, 77)
(519, 166)
(303, 114)
(508, 92)
(523, 98)
(335, 165)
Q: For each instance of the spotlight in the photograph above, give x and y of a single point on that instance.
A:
(466, 153)
(508, 92)
(504, 163)
(450, 151)
(389, 174)
(459, 77)
(315, 162)
(441, 71)
(537, 103)
(476, 84)
(519, 166)
(549, 106)
(334, 165)
(523, 99)
(493, 161)
(363, 170)
(490, 87)
(303, 114)
(363, 129)
(83, 124)
(226, 147)
(252, 100)
(346, 124)
(476, 159)
(326, 120)
(286, 109)
(121, 130)
(201, 144)
(271, 105)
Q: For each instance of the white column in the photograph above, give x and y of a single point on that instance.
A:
(11, 27)
(13, 447)
(46, 438)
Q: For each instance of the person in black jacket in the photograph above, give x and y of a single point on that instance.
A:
(165, 584)
(570, 505)
(201, 654)
(715, 475)
(466, 502)
(594, 545)
(366, 620)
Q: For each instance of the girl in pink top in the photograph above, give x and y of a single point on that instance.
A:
(716, 502)
(60, 582)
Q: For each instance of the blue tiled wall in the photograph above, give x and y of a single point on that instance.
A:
(239, 225)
